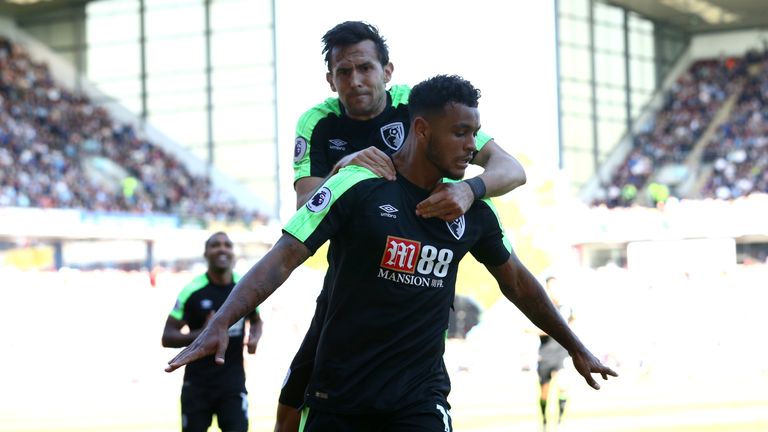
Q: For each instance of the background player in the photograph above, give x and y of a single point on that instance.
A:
(210, 389)
(552, 357)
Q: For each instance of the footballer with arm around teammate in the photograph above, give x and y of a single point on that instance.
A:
(379, 357)
(363, 126)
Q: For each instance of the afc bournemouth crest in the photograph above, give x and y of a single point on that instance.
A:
(393, 135)
(456, 227)
(319, 200)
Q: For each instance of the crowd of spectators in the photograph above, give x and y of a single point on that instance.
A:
(51, 138)
(739, 151)
(689, 107)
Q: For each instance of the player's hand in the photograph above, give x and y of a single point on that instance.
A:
(213, 340)
(371, 158)
(587, 364)
(448, 201)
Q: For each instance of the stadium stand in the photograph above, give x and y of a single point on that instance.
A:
(738, 153)
(690, 106)
(730, 162)
(60, 150)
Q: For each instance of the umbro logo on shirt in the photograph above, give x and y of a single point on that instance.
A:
(337, 144)
(389, 211)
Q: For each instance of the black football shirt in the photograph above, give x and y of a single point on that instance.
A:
(193, 305)
(381, 343)
(325, 134)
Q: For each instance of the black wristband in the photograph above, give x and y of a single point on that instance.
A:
(477, 185)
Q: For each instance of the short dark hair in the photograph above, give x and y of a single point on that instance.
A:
(208, 242)
(434, 94)
(350, 33)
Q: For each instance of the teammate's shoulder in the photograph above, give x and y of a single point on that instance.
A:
(307, 122)
(200, 281)
(323, 109)
(352, 177)
(484, 204)
(399, 94)
(485, 209)
(352, 174)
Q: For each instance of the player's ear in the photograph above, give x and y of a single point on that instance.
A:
(388, 69)
(420, 127)
(329, 78)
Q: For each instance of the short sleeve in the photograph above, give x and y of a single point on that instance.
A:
(329, 208)
(493, 248)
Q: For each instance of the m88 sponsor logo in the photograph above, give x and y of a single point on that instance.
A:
(410, 256)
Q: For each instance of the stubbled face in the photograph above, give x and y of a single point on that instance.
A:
(219, 253)
(359, 78)
(452, 135)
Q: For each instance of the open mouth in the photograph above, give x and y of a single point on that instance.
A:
(222, 258)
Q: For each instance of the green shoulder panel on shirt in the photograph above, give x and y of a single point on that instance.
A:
(304, 129)
(197, 283)
(399, 94)
(308, 217)
(482, 139)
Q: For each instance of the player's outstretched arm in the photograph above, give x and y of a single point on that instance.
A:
(258, 284)
(587, 364)
(502, 174)
(521, 288)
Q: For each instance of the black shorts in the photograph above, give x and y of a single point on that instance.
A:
(200, 404)
(425, 417)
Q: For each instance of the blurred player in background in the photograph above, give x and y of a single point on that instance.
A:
(552, 358)
(363, 126)
(210, 389)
